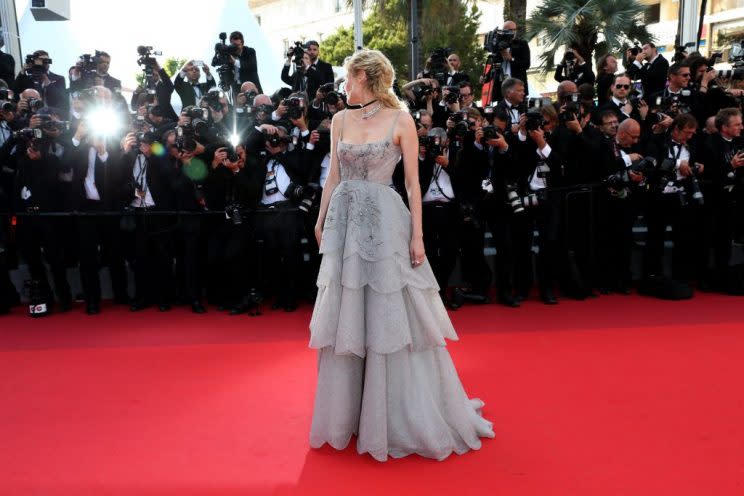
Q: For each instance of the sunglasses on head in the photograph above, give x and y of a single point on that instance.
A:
(622, 86)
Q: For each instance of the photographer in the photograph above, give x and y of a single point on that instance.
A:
(440, 212)
(618, 203)
(303, 78)
(233, 186)
(675, 200)
(724, 165)
(502, 206)
(677, 97)
(163, 90)
(467, 98)
(29, 102)
(147, 185)
(96, 187)
(36, 75)
(39, 161)
(93, 71)
(279, 224)
(574, 68)
(187, 85)
(455, 76)
(620, 103)
(514, 59)
(255, 139)
(514, 92)
(324, 69)
(606, 69)
(326, 104)
(540, 164)
(244, 61)
(653, 73)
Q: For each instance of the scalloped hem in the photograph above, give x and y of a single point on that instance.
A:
(399, 404)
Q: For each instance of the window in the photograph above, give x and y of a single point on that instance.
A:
(653, 13)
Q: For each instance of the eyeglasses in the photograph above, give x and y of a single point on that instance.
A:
(622, 86)
(684, 75)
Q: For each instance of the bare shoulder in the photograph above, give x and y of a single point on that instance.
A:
(404, 126)
(337, 118)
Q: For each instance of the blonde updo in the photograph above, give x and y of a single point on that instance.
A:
(380, 76)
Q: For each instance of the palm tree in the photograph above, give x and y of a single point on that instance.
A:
(582, 22)
(516, 10)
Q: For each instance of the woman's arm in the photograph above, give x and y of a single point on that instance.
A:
(410, 149)
(334, 176)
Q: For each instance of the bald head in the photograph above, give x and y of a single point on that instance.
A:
(262, 100)
(510, 25)
(566, 88)
(248, 86)
(628, 133)
(29, 93)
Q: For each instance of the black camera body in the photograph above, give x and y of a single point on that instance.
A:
(295, 107)
(498, 40)
(490, 132)
(438, 65)
(297, 52)
(433, 146)
(453, 95)
(275, 140)
(324, 140)
(534, 121)
(674, 104)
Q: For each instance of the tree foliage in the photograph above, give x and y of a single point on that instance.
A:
(560, 23)
(444, 23)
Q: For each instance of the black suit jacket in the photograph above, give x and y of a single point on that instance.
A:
(54, 95)
(108, 178)
(7, 68)
(186, 92)
(653, 76)
(249, 68)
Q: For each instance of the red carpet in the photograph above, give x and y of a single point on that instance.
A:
(618, 396)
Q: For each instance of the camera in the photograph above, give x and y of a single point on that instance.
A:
(325, 138)
(421, 91)
(295, 107)
(439, 66)
(275, 140)
(571, 108)
(223, 62)
(498, 40)
(433, 146)
(88, 66)
(6, 106)
(534, 120)
(305, 196)
(233, 213)
(296, 52)
(213, 99)
(28, 134)
(674, 104)
(146, 57)
(515, 201)
(249, 97)
(453, 95)
(185, 139)
(489, 133)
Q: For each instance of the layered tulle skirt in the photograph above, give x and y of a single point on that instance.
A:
(379, 324)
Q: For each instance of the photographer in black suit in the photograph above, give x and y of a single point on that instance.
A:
(324, 69)
(574, 68)
(36, 75)
(245, 63)
(653, 74)
(187, 85)
(516, 61)
(96, 187)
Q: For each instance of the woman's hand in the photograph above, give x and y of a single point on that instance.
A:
(417, 251)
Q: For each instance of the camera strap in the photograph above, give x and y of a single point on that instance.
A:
(437, 171)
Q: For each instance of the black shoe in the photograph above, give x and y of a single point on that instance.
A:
(121, 300)
(244, 307)
(164, 307)
(138, 305)
(547, 296)
(92, 308)
(508, 300)
(197, 307)
(520, 297)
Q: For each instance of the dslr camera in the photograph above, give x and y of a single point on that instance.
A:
(433, 146)
(439, 66)
(498, 40)
(296, 52)
(295, 107)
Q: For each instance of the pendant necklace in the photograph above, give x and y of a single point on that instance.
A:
(372, 111)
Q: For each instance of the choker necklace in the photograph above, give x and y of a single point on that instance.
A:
(373, 109)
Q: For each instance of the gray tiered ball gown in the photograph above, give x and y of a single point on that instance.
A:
(379, 324)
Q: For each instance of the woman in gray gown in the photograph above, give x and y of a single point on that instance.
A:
(379, 324)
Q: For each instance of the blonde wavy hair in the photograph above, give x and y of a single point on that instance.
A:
(380, 76)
